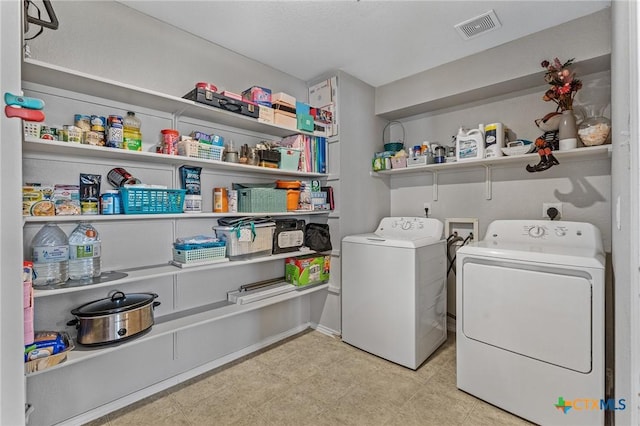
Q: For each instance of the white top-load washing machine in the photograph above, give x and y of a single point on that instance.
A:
(530, 320)
(394, 290)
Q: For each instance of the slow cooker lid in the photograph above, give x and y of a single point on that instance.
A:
(118, 302)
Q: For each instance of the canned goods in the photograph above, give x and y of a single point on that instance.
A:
(119, 177)
(111, 202)
(114, 136)
(89, 206)
(94, 138)
(82, 121)
(170, 141)
(71, 134)
(47, 133)
(98, 123)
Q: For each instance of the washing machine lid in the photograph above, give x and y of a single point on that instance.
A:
(409, 232)
(561, 243)
(377, 240)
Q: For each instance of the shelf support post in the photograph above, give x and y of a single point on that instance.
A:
(434, 186)
(487, 182)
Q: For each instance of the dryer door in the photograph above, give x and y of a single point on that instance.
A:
(545, 315)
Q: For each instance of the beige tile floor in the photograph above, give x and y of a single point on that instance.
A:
(314, 379)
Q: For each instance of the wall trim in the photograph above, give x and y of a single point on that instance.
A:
(326, 330)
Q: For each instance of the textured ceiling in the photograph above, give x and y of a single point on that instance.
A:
(376, 41)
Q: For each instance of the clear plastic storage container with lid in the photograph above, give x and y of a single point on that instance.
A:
(50, 255)
(84, 252)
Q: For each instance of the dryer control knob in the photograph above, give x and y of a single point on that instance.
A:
(536, 231)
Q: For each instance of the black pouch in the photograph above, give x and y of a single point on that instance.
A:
(317, 237)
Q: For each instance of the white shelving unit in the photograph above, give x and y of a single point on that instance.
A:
(585, 153)
(172, 324)
(42, 146)
(186, 309)
(592, 152)
(66, 79)
(186, 216)
(156, 271)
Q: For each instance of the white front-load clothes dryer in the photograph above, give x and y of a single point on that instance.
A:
(530, 320)
(394, 290)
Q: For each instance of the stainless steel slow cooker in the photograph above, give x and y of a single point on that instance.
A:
(114, 319)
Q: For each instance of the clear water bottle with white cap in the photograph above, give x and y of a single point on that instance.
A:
(50, 255)
(84, 252)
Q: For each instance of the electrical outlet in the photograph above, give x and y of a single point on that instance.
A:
(547, 206)
(427, 209)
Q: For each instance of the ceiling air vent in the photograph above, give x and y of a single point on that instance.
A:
(478, 25)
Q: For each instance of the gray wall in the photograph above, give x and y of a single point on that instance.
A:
(513, 63)
(110, 40)
(625, 199)
(584, 186)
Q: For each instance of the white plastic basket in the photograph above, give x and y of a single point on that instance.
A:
(31, 129)
(195, 149)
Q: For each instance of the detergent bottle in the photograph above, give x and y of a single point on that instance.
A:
(494, 140)
(470, 144)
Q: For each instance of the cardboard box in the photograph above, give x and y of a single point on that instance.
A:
(283, 98)
(305, 122)
(307, 270)
(302, 108)
(259, 95)
(284, 120)
(37, 201)
(284, 109)
(323, 93)
(265, 114)
(66, 199)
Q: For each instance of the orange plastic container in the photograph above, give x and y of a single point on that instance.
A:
(288, 184)
(293, 197)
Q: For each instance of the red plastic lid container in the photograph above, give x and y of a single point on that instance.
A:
(206, 86)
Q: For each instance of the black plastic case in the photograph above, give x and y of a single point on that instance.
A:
(214, 99)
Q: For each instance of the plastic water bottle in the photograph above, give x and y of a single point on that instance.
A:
(84, 252)
(50, 255)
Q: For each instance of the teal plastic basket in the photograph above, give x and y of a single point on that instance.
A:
(289, 158)
(200, 255)
(262, 200)
(152, 201)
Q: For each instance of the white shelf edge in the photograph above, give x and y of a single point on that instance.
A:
(592, 152)
(186, 216)
(182, 323)
(156, 271)
(33, 145)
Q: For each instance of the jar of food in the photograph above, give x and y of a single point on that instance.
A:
(169, 141)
